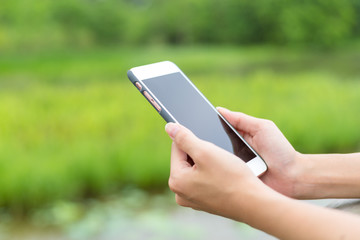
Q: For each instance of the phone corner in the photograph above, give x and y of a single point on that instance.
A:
(131, 75)
(170, 63)
(257, 166)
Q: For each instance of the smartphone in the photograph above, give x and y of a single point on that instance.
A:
(177, 99)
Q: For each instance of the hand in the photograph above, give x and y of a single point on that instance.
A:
(218, 182)
(213, 180)
(267, 140)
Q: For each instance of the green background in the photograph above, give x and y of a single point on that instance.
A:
(72, 127)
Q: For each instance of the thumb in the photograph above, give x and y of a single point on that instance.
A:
(185, 139)
(241, 121)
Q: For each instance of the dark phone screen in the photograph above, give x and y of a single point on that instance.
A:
(191, 110)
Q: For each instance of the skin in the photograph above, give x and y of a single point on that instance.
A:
(219, 183)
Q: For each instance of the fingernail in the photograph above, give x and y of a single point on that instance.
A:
(171, 129)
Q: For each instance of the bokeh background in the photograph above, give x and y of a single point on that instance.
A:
(82, 153)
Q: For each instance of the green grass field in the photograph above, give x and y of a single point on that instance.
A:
(72, 125)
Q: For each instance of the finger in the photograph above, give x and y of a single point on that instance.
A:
(178, 160)
(185, 140)
(182, 201)
(241, 121)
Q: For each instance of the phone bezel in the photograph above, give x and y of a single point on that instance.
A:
(257, 164)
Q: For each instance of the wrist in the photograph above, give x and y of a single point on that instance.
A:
(306, 178)
(327, 176)
(259, 205)
(314, 180)
(300, 179)
(291, 177)
(245, 204)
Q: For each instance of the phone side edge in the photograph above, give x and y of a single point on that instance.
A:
(132, 76)
(163, 112)
(257, 165)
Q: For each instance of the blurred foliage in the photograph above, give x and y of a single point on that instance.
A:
(36, 24)
(72, 126)
(128, 215)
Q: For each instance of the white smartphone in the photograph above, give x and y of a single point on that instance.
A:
(178, 100)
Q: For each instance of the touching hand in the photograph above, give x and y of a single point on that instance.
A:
(212, 179)
(268, 141)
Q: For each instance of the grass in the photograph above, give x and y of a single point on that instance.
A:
(72, 125)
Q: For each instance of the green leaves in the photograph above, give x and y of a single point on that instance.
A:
(86, 23)
(72, 126)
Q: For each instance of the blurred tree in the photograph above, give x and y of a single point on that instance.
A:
(42, 24)
(84, 21)
(318, 22)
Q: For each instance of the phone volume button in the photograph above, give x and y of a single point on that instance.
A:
(138, 85)
(152, 101)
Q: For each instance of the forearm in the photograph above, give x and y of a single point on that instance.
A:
(328, 176)
(286, 218)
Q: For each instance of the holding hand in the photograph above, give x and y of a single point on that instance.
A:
(267, 140)
(211, 181)
(218, 182)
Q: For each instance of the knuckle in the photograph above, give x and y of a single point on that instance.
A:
(269, 123)
(182, 137)
(196, 208)
(176, 184)
(180, 201)
(172, 184)
(202, 151)
(198, 154)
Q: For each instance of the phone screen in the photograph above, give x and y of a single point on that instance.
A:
(193, 111)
